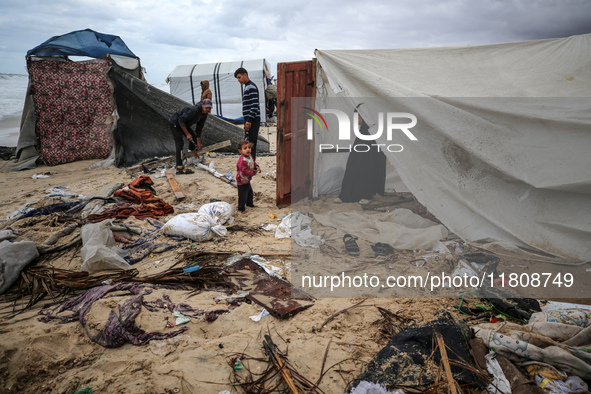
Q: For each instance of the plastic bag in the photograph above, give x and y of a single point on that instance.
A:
(284, 228)
(298, 226)
(99, 250)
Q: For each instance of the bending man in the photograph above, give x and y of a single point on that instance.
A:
(180, 125)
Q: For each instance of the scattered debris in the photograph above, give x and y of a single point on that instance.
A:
(211, 169)
(279, 375)
(270, 292)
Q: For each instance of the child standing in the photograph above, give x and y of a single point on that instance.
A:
(246, 168)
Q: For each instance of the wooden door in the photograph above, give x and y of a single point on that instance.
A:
(294, 79)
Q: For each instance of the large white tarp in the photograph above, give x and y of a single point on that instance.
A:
(503, 134)
(226, 90)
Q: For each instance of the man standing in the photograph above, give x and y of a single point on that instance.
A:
(180, 124)
(250, 109)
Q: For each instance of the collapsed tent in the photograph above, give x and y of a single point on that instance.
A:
(98, 108)
(500, 141)
(226, 91)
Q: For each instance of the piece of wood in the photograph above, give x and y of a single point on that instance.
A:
(170, 160)
(276, 359)
(451, 383)
(175, 186)
(213, 147)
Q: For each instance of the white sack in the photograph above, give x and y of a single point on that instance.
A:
(196, 226)
(221, 210)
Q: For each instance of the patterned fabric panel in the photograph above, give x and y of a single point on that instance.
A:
(73, 107)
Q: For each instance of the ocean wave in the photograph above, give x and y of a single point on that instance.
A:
(14, 77)
(13, 88)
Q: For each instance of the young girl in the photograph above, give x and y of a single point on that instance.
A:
(246, 168)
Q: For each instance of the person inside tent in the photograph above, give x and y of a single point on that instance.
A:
(205, 90)
(180, 124)
(270, 97)
(365, 173)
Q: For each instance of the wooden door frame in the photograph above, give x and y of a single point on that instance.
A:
(283, 160)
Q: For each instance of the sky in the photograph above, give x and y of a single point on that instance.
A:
(167, 33)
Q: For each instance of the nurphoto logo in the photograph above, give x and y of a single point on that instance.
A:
(344, 129)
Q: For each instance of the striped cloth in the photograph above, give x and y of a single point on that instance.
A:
(250, 102)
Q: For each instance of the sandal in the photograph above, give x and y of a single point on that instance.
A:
(351, 245)
(184, 171)
(382, 249)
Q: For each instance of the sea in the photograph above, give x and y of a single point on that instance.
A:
(13, 89)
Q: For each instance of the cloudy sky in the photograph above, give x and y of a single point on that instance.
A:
(166, 33)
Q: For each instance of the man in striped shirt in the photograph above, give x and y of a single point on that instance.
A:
(250, 109)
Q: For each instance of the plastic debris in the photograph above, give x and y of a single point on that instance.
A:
(60, 191)
(86, 390)
(269, 227)
(499, 379)
(180, 318)
(229, 177)
(267, 266)
(260, 315)
(573, 384)
(237, 257)
(192, 268)
(239, 294)
(38, 176)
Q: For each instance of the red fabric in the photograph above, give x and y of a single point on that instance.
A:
(147, 206)
(138, 191)
(73, 108)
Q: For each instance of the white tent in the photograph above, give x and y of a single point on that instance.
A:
(503, 134)
(226, 91)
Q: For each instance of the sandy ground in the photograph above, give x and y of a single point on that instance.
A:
(60, 358)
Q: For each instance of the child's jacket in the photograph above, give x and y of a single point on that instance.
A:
(246, 168)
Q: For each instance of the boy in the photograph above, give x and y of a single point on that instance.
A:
(246, 168)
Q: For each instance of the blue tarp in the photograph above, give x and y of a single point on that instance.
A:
(82, 43)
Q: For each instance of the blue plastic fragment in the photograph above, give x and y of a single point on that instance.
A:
(191, 268)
